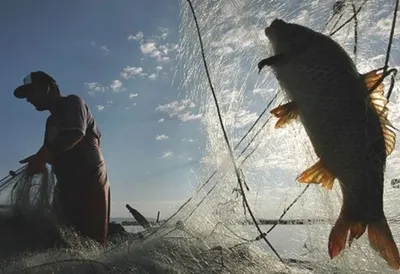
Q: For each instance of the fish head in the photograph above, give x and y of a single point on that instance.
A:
(285, 37)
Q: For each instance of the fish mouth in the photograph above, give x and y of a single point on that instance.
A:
(267, 31)
(270, 30)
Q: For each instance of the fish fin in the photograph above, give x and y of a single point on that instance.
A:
(381, 239)
(356, 231)
(317, 174)
(379, 234)
(371, 78)
(379, 103)
(285, 113)
(339, 233)
(271, 61)
(338, 237)
(390, 139)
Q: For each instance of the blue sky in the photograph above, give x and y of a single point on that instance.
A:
(120, 59)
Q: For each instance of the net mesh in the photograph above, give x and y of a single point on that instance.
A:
(25, 194)
(30, 192)
(212, 232)
(27, 219)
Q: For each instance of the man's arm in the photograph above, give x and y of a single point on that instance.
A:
(45, 141)
(74, 121)
(65, 141)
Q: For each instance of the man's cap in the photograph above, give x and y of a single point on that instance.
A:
(36, 77)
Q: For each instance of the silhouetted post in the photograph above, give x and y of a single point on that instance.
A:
(138, 217)
(158, 217)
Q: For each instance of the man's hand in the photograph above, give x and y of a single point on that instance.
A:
(37, 162)
(26, 160)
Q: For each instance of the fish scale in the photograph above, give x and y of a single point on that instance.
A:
(346, 125)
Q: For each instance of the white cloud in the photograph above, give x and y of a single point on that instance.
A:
(130, 72)
(103, 48)
(177, 106)
(160, 120)
(99, 108)
(139, 36)
(148, 48)
(161, 137)
(167, 155)
(159, 52)
(116, 85)
(180, 109)
(189, 140)
(164, 32)
(152, 76)
(154, 47)
(133, 95)
(233, 40)
(94, 87)
(383, 26)
(187, 116)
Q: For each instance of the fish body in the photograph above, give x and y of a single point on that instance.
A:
(346, 124)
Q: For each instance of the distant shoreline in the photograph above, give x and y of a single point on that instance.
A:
(152, 221)
(261, 222)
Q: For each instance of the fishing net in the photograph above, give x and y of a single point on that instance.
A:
(28, 192)
(236, 226)
(27, 219)
(29, 222)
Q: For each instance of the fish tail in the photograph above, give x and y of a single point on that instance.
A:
(339, 233)
(381, 239)
(379, 234)
(338, 238)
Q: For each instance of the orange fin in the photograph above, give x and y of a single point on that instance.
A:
(356, 231)
(317, 174)
(381, 239)
(285, 113)
(338, 235)
(371, 78)
(379, 103)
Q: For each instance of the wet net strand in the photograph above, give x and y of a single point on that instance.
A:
(337, 11)
(253, 140)
(349, 20)
(353, 17)
(226, 136)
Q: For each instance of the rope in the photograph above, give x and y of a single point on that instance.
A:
(391, 35)
(226, 137)
(349, 20)
(355, 31)
(355, 13)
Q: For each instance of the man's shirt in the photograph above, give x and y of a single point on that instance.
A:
(72, 113)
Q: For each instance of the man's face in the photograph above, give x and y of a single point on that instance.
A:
(39, 98)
